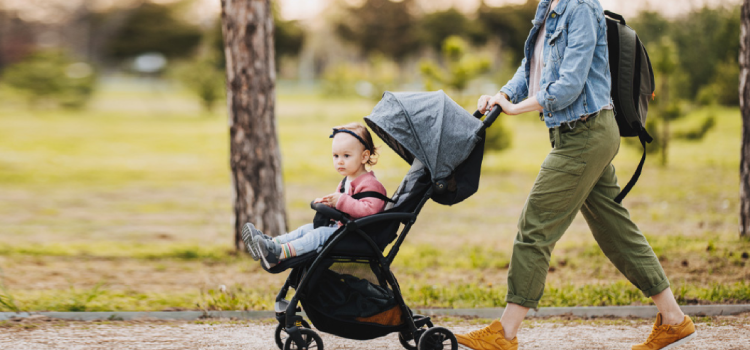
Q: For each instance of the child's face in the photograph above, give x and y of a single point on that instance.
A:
(349, 155)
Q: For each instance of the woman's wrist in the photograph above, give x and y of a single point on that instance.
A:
(528, 105)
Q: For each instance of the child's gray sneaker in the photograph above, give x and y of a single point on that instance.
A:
(249, 232)
(269, 251)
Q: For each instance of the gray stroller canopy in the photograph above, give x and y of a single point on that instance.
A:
(428, 126)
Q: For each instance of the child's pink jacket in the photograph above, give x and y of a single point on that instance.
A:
(357, 208)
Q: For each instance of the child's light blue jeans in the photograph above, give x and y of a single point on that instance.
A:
(306, 238)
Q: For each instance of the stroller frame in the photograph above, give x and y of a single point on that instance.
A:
(412, 327)
(286, 311)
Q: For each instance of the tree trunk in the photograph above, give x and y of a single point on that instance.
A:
(255, 158)
(745, 108)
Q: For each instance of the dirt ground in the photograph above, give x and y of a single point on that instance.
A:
(720, 333)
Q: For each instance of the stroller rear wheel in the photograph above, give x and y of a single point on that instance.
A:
(280, 335)
(312, 340)
(437, 338)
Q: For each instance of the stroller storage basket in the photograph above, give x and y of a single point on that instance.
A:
(351, 299)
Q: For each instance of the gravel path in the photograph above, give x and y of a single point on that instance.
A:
(720, 333)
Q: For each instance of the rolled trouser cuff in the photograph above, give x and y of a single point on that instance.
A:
(518, 300)
(660, 287)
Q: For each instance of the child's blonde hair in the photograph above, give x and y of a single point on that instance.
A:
(362, 131)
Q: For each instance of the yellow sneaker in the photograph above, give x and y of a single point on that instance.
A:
(665, 337)
(491, 337)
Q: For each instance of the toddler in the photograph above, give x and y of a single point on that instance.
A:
(353, 150)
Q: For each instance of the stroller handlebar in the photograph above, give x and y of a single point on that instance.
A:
(494, 113)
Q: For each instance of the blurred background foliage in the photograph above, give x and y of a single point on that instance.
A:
(110, 113)
(383, 26)
(355, 49)
(153, 27)
(52, 76)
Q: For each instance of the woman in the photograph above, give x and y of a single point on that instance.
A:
(565, 75)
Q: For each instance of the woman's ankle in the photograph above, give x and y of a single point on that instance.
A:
(511, 320)
(670, 311)
(672, 318)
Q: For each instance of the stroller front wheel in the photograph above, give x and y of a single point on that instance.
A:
(408, 340)
(280, 335)
(437, 338)
(411, 342)
(312, 341)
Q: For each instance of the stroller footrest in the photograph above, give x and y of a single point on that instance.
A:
(420, 320)
(280, 306)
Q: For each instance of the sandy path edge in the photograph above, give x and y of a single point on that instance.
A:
(721, 333)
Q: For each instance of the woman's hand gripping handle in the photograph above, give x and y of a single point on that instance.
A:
(494, 113)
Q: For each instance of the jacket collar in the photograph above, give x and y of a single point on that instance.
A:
(544, 6)
(561, 6)
(541, 10)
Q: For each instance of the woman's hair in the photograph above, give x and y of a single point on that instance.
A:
(362, 131)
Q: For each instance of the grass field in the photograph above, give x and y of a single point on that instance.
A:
(127, 206)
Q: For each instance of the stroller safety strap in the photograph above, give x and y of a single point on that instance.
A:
(366, 194)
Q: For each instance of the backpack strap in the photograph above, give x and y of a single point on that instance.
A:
(644, 137)
(615, 16)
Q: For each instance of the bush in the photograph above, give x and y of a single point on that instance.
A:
(340, 80)
(52, 76)
(723, 87)
(461, 67)
(369, 81)
(498, 136)
(203, 79)
(698, 133)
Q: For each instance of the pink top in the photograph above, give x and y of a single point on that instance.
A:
(537, 61)
(357, 208)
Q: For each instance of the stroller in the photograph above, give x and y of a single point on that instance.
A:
(347, 288)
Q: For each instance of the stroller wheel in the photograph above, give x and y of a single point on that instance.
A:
(409, 341)
(437, 338)
(280, 334)
(312, 339)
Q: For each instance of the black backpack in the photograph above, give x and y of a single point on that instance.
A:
(632, 86)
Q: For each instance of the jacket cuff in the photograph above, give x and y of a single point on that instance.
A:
(510, 92)
(546, 100)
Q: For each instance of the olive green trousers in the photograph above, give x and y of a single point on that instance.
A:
(578, 175)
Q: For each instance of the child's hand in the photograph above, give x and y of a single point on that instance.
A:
(332, 199)
(319, 200)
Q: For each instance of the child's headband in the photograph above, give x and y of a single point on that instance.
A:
(336, 131)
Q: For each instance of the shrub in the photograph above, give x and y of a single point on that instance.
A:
(52, 76)
(203, 79)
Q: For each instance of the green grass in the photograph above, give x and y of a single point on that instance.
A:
(7, 300)
(102, 299)
(425, 275)
(127, 206)
(418, 294)
(106, 250)
(567, 295)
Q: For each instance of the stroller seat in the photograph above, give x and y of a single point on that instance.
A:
(405, 200)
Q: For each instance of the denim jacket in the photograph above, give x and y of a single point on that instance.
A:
(575, 79)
